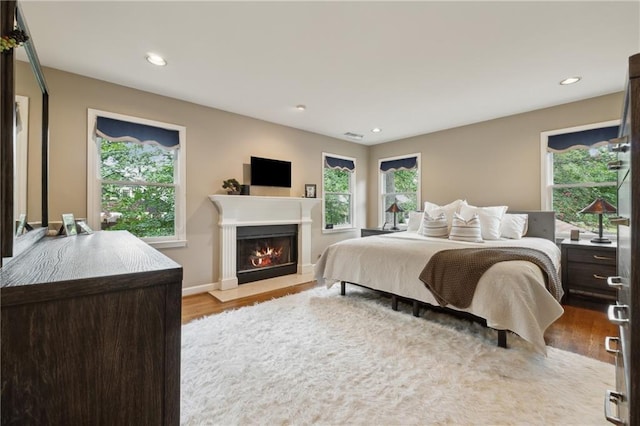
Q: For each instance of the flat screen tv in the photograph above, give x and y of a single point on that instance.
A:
(268, 172)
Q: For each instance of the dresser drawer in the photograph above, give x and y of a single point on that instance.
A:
(591, 276)
(592, 256)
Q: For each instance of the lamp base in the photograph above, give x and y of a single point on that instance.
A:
(394, 228)
(599, 240)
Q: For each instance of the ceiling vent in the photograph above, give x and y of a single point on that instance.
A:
(355, 136)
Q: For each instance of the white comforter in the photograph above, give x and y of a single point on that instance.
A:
(510, 295)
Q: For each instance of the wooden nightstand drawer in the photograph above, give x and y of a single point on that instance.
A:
(592, 256)
(591, 276)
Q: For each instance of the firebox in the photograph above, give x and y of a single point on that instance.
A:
(266, 252)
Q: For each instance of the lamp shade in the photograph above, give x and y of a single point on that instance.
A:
(394, 208)
(599, 206)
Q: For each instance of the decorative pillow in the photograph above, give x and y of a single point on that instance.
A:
(514, 226)
(448, 209)
(415, 221)
(466, 230)
(490, 219)
(435, 226)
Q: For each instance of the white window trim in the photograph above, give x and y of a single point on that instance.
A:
(546, 166)
(93, 177)
(354, 220)
(380, 188)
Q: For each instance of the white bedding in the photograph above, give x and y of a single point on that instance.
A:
(510, 295)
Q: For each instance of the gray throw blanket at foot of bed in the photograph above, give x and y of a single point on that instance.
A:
(452, 275)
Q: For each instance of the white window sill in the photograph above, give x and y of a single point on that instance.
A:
(166, 244)
(337, 230)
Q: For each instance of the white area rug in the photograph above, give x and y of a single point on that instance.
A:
(320, 358)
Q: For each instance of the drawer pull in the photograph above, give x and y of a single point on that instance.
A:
(611, 398)
(615, 282)
(607, 344)
(595, 256)
(622, 221)
(614, 314)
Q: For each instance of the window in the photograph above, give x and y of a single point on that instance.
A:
(399, 179)
(338, 188)
(136, 177)
(575, 173)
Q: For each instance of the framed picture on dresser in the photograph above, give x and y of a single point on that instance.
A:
(69, 224)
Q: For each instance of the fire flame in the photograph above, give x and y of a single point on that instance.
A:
(265, 257)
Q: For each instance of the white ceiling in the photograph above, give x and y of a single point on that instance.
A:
(407, 67)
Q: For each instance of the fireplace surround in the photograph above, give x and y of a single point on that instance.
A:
(238, 211)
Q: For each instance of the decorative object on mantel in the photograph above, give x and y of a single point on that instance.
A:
(232, 186)
(310, 190)
(600, 206)
(15, 38)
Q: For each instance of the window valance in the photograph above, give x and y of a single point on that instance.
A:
(582, 139)
(408, 163)
(118, 130)
(339, 163)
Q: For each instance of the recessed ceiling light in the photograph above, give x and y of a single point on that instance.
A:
(156, 59)
(301, 107)
(376, 130)
(570, 80)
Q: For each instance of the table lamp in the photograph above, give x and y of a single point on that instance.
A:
(599, 207)
(395, 209)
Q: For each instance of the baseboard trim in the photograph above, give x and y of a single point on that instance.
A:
(197, 289)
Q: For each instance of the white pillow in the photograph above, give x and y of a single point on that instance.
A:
(514, 226)
(448, 209)
(466, 230)
(490, 219)
(435, 226)
(415, 221)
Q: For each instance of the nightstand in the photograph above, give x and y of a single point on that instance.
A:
(365, 232)
(586, 267)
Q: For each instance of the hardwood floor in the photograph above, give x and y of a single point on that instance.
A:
(582, 329)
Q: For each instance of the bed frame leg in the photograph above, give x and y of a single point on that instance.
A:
(416, 308)
(343, 288)
(502, 338)
(394, 302)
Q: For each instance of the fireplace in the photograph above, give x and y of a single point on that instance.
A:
(248, 211)
(266, 251)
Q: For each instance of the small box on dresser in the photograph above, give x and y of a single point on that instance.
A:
(585, 268)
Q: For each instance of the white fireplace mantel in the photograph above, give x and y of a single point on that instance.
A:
(246, 210)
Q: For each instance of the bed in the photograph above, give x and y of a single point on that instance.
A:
(510, 295)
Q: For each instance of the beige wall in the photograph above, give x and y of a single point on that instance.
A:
(488, 163)
(494, 162)
(218, 144)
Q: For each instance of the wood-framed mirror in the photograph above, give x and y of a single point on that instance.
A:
(24, 139)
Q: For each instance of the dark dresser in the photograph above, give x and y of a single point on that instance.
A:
(91, 333)
(622, 404)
